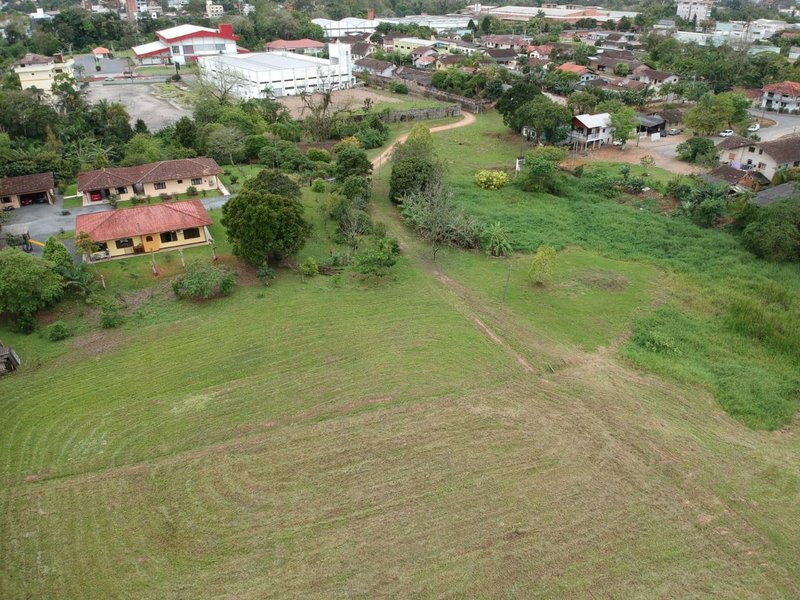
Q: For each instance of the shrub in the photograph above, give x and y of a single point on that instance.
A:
(234, 179)
(309, 267)
(319, 186)
(191, 190)
(110, 316)
(318, 155)
(265, 274)
(58, 331)
(379, 257)
(399, 88)
(175, 77)
(202, 281)
(495, 240)
(491, 180)
(543, 264)
(164, 196)
(372, 138)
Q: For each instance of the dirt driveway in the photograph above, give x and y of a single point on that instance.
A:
(342, 99)
(663, 151)
(140, 102)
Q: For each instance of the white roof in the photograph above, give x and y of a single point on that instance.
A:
(268, 61)
(148, 48)
(598, 120)
(182, 30)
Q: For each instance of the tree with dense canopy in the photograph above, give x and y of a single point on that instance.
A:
(27, 283)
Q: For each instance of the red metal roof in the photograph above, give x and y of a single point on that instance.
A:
(573, 68)
(142, 220)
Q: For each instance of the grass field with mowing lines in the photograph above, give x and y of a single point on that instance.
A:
(339, 438)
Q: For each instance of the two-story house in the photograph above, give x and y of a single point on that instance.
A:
(766, 157)
(591, 131)
(783, 96)
(37, 72)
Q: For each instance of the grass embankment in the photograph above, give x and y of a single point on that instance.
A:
(730, 322)
(341, 438)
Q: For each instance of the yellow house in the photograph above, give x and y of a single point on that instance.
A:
(154, 179)
(39, 72)
(145, 229)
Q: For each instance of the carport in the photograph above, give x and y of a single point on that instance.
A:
(26, 189)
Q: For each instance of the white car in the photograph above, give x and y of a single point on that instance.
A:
(726, 133)
(754, 127)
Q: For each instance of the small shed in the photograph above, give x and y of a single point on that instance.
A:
(9, 361)
(650, 125)
(101, 52)
(16, 235)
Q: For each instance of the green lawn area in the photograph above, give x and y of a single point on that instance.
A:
(341, 437)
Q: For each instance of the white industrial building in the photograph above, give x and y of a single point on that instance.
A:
(279, 73)
(346, 26)
(695, 10)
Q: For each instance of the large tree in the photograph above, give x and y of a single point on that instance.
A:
(544, 119)
(517, 95)
(263, 226)
(624, 122)
(27, 283)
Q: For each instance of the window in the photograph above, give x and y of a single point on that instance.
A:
(123, 243)
(169, 236)
(191, 234)
(122, 190)
(160, 185)
(176, 49)
(197, 180)
(5, 200)
(751, 149)
(762, 165)
(180, 180)
(760, 151)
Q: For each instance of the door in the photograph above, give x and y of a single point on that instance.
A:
(151, 243)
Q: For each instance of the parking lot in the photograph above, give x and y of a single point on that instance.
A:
(140, 102)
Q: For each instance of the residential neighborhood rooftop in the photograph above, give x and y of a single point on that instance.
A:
(165, 170)
(141, 220)
(26, 184)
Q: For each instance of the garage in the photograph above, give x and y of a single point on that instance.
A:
(24, 190)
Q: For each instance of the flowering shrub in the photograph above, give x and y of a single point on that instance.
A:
(491, 180)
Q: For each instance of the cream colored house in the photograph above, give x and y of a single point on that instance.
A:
(40, 72)
(766, 157)
(145, 229)
(169, 177)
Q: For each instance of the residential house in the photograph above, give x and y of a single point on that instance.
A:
(416, 77)
(776, 194)
(505, 42)
(591, 131)
(303, 46)
(38, 72)
(650, 125)
(186, 43)
(794, 53)
(766, 157)
(361, 50)
(448, 61)
(652, 77)
(584, 73)
(737, 180)
(672, 116)
(214, 11)
(783, 96)
(26, 189)
(665, 27)
(426, 62)
(541, 52)
(503, 56)
(381, 68)
(607, 64)
(146, 228)
(618, 40)
(165, 177)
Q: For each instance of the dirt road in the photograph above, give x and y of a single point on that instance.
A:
(468, 119)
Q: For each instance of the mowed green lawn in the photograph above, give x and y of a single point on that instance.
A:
(339, 438)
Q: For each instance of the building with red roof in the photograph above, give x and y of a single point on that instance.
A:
(584, 73)
(148, 228)
(784, 96)
(304, 46)
(151, 180)
(185, 43)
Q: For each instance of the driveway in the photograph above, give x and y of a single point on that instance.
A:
(784, 124)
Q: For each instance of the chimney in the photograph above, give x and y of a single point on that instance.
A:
(226, 29)
(370, 14)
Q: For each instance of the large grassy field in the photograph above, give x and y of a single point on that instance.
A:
(424, 435)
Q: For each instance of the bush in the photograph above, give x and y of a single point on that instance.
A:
(318, 155)
(265, 274)
(399, 88)
(379, 257)
(191, 190)
(309, 267)
(175, 77)
(319, 186)
(491, 180)
(202, 281)
(543, 264)
(58, 331)
(372, 138)
(110, 317)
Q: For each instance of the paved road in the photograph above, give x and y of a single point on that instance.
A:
(784, 124)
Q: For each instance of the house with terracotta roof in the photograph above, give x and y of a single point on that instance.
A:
(783, 96)
(505, 42)
(26, 189)
(766, 157)
(39, 73)
(185, 43)
(584, 73)
(304, 46)
(541, 52)
(381, 68)
(653, 77)
(144, 229)
(168, 177)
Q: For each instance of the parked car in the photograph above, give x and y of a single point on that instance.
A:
(8, 207)
(726, 133)
(754, 127)
(617, 143)
(109, 78)
(673, 131)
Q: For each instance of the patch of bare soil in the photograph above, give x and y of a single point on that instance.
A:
(97, 343)
(352, 99)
